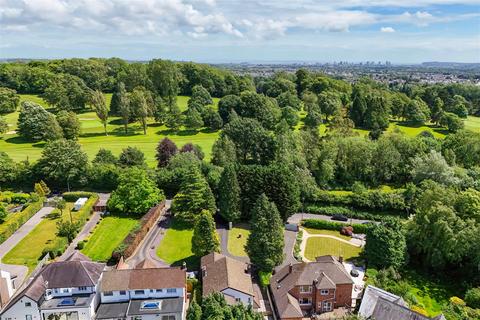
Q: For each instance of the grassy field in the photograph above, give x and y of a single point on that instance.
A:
(316, 247)
(237, 240)
(176, 246)
(28, 251)
(92, 137)
(328, 232)
(107, 235)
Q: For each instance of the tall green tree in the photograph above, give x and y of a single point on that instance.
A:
(229, 195)
(136, 193)
(174, 117)
(164, 76)
(193, 119)
(9, 100)
(118, 95)
(67, 92)
(35, 123)
(69, 123)
(166, 149)
(223, 152)
(3, 125)
(330, 103)
(194, 196)
(100, 107)
(141, 106)
(205, 238)
(131, 157)
(266, 241)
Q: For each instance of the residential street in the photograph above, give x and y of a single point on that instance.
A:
(17, 270)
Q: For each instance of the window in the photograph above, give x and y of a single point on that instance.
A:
(305, 300)
(123, 292)
(168, 317)
(28, 317)
(324, 292)
(305, 289)
(108, 293)
(237, 300)
(159, 290)
(327, 306)
(28, 304)
(65, 290)
(171, 290)
(82, 288)
(139, 291)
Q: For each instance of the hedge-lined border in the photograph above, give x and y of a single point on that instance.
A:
(336, 226)
(13, 224)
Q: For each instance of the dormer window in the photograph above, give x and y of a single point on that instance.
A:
(305, 289)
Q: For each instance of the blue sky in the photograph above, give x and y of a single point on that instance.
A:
(405, 31)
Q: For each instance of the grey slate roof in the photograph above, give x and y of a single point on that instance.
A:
(112, 310)
(370, 298)
(167, 306)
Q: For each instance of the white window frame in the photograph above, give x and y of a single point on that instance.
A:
(302, 289)
(327, 306)
(324, 292)
(300, 302)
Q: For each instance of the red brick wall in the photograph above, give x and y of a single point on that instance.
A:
(344, 295)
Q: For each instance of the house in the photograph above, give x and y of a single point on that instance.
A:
(7, 287)
(143, 294)
(79, 203)
(311, 287)
(379, 304)
(61, 290)
(229, 277)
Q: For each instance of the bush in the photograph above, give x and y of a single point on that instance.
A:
(330, 225)
(56, 248)
(10, 226)
(472, 298)
(330, 210)
(264, 278)
(15, 198)
(75, 195)
(84, 213)
(296, 248)
(80, 245)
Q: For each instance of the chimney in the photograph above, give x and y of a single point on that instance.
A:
(340, 259)
(290, 268)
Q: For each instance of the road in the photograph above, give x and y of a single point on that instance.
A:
(18, 271)
(148, 248)
(84, 233)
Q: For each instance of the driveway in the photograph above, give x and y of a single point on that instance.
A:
(19, 271)
(148, 248)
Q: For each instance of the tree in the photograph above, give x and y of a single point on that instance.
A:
(194, 196)
(8, 169)
(105, 156)
(451, 121)
(194, 311)
(433, 166)
(201, 96)
(330, 103)
(290, 116)
(3, 125)
(174, 117)
(289, 99)
(45, 188)
(212, 119)
(205, 238)
(3, 212)
(131, 156)
(266, 241)
(141, 105)
(164, 77)
(67, 92)
(472, 298)
(9, 100)
(417, 112)
(223, 152)
(166, 149)
(228, 104)
(100, 107)
(35, 123)
(61, 204)
(229, 195)
(193, 148)
(459, 106)
(124, 110)
(193, 119)
(359, 105)
(136, 193)
(67, 229)
(118, 98)
(386, 245)
(69, 123)
(39, 190)
(63, 161)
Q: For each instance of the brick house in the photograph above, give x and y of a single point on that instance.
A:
(311, 287)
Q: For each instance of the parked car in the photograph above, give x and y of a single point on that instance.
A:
(339, 217)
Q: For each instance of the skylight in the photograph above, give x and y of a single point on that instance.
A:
(67, 302)
(151, 305)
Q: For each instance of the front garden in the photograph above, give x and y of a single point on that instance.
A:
(237, 240)
(176, 246)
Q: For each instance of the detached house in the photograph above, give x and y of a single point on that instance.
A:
(143, 294)
(61, 290)
(228, 276)
(311, 287)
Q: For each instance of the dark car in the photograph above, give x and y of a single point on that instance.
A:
(339, 217)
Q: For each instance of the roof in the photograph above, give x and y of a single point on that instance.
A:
(76, 271)
(78, 301)
(370, 298)
(388, 310)
(221, 272)
(138, 279)
(112, 310)
(80, 201)
(326, 272)
(147, 264)
(166, 305)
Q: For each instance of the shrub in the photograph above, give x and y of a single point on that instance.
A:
(296, 248)
(457, 301)
(80, 245)
(347, 231)
(330, 225)
(264, 278)
(84, 213)
(56, 248)
(10, 226)
(75, 195)
(472, 298)
(330, 210)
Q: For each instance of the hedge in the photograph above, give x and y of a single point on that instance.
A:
(15, 198)
(331, 210)
(18, 219)
(331, 225)
(84, 213)
(75, 195)
(133, 239)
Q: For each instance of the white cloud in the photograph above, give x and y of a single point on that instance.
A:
(387, 29)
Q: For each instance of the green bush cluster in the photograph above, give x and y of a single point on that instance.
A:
(13, 197)
(296, 248)
(330, 225)
(84, 213)
(75, 195)
(330, 210)
(371, 199)
(56, 248)
(16, 221)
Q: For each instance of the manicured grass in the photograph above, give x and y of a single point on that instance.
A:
(328, 232)
(473, 123)
(316, 247)
(107, 236)
(28, 251)
(92, 137)
(237, 240)
(176, 246)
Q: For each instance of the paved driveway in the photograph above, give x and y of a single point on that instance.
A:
(20, 271)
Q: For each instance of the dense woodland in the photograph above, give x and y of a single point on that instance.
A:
(429, 214)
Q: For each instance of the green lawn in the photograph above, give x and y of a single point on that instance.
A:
(28, 251)
(328, 232)
(316, 247)
(237, 240)
(176, 246)
(92, 137)
(473, 123)
(107, 236)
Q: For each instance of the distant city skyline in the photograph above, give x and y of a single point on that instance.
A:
(223, 31)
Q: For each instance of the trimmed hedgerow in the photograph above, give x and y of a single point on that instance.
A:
(11, 225)
(330, 225)
(75, 195)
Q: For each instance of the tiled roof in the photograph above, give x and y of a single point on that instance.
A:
(138, 279)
